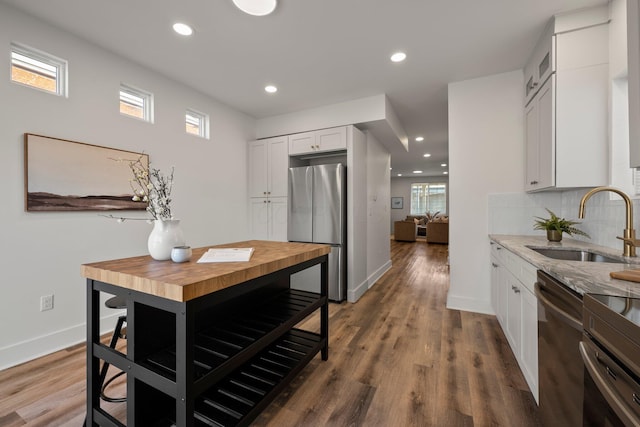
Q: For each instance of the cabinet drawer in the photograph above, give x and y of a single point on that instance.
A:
(497, 251)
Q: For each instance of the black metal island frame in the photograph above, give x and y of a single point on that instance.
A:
(207, 343)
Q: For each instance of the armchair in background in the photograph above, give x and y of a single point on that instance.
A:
(405, 231)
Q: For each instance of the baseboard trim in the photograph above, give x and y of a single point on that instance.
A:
(373, 278)
(354, 295)
(25, 351)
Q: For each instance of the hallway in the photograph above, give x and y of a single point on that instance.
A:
(399, 358)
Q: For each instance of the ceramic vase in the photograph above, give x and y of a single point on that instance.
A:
(554, 235)
(166, 234)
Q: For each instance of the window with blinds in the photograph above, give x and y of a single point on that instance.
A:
(38, 69)
(136, 103)
(428, 197)
(197, 124)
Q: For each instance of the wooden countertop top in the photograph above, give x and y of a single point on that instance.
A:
(185, 281)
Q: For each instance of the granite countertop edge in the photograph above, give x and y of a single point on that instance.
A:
(582, 277)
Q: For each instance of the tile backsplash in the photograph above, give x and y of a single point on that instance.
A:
(513, 213)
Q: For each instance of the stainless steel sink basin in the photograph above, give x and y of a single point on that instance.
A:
(575, 255)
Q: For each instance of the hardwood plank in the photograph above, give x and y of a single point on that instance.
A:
(397, 357)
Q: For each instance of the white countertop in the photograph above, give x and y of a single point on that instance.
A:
(581, 276)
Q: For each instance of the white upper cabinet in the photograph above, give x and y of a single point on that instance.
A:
(318, 141)
(566, 110)
(268, 167)
(633, 58)
(541, 64)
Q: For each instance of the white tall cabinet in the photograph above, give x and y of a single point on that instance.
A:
(566, 103)
(268, 168)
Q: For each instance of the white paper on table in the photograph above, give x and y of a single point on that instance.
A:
(226, 255)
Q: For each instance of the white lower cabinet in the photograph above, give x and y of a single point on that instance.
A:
(516, 307)
(269, 218)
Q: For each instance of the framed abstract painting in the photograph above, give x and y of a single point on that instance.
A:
(62, 175)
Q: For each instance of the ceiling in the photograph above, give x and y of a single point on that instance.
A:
(320, 52)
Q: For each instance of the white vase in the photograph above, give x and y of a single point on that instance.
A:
(165, 235)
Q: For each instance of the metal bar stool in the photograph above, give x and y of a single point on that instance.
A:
(117, 303)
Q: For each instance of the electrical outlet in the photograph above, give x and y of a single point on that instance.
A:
(46, 302)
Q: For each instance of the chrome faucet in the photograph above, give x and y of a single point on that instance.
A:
(629, 237)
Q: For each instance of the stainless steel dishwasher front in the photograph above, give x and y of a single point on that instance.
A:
(560, 371)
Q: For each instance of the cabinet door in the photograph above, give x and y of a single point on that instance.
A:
(633, 48)
(302, 143)
(278, 166)
(502, 291)
(529, 361)
(259, 215)
(331, 139)
(514, 314)
(494, 285)
(532, 142)
(258, 169)
(540, 138)
(277, 219)
(546, 134)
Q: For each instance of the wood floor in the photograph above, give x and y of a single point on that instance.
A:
(398, 357)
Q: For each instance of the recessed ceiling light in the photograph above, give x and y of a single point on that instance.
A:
(445, 173)
(419, 138)
(270, 89)
(398, 57)
(182, 29)
(444, 165)
(417, 171)
(426, 155)
(256, 7)
(399, 174)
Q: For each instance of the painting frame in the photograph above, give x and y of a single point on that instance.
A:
(397, 202)
(64, 175)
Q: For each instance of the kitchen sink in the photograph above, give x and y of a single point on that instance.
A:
(575, 255)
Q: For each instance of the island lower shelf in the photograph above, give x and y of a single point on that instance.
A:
(227, 343)
(240, 396)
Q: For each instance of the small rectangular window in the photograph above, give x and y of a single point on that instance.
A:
(38, 69)
(197, 124)
(136, 103)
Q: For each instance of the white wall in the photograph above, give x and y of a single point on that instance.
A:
(378, 206)
(401, 187)
(485, 156)
(357, 239)
(43, 252)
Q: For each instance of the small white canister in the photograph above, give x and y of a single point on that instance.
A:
(181, 253)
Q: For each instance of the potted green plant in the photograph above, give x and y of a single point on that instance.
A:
(555, 226)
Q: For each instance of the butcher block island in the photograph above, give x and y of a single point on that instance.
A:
(207, 343)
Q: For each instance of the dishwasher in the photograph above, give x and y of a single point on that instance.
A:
(560, 368)
(610, 349)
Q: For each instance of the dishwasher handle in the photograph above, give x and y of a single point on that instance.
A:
(574, 322)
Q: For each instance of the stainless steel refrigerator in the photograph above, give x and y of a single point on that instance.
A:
(317, 214)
